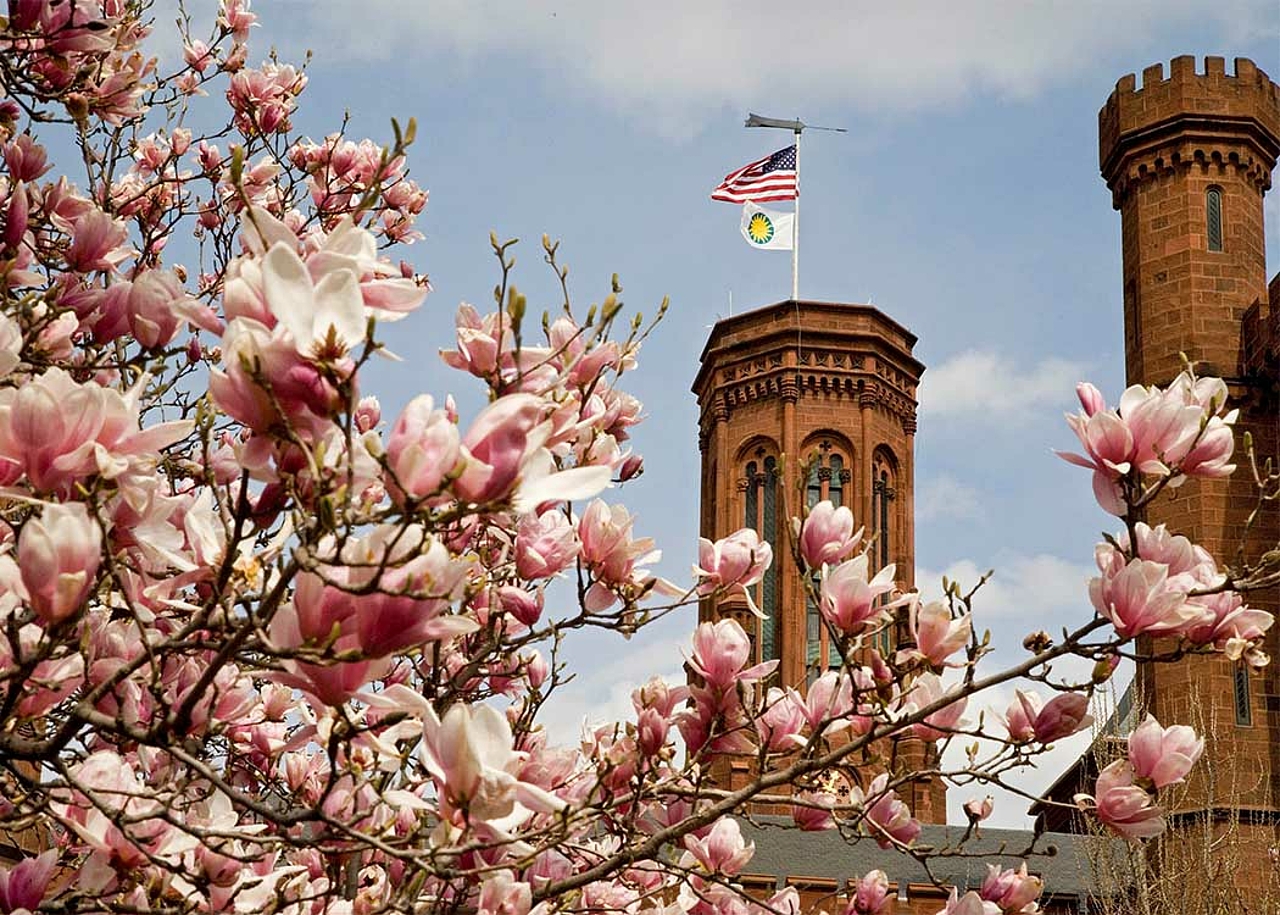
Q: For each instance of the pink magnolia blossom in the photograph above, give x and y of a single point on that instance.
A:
(936, 634)
(925, 691)
(23, 885)
(423, 449)
(264, 98)
(651, 730)
(1179, 430)
(470, 755)
(501, 894)
(1210, 457)
(546, 545)
(659, 695)
(98, 243)
(153, 308)
(1013, 891)
(1063, 715)
(849, 601)
(722, 850)
(234, 16)
(486, 347)
(10, 346)
(58, 555)
(266, 384)
(1230, 626)
(525, 606)
(325, 316)
(1138, 596)
(15, 226)
(828, 703)
(1163, 756)
(584, 364)
(1109, 447)
(872, 894)
(504, 455)
(1163, 425)
(812, 810)
(1091, 399)
(197, 55)
(1126, 809)
(401, 585)
(1019, 718)
(720, 652)
(734, 562)
(368, 413)
(978, 809)
(25, 158)
(888, 819)
(109, 787)
(969, 904)
(331, 683)
(615, 558)
(1028, 716)
(783, 720)
(827, 535)
(1184, 558)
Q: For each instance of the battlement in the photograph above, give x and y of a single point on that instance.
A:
(1241, 107)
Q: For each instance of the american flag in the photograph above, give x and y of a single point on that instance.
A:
(770, 178)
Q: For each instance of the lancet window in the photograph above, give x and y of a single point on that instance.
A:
(1213, 217)
(883, 523)
(760, 502)
(829, 479)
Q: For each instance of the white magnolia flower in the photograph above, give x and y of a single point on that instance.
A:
(325, 318)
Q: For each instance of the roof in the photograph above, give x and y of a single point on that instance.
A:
(1062, 860)
(839, 324)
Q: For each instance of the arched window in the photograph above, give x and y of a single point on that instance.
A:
(827, 481)
(1213, 217)
(761, 513)
(882, 523)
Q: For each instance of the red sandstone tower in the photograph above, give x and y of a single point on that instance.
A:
(1188, 158)
(827, 385)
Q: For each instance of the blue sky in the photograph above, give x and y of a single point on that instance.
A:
(964, 201)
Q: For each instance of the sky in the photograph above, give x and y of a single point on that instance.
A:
(964, 202)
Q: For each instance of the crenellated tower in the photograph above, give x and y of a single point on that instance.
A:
(1188, 158)
(827, 386)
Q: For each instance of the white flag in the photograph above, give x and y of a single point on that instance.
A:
(766, 228)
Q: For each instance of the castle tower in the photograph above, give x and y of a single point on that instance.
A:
(827, 385)
(1188, 158)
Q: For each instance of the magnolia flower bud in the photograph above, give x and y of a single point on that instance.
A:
(977, 809)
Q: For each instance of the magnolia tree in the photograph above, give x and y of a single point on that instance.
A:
(262, 650)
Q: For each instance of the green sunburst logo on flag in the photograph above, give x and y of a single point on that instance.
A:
(760, 229)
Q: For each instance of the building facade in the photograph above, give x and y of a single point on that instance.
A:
(801, 401)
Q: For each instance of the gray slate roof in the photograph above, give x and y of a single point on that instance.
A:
(1060, 859)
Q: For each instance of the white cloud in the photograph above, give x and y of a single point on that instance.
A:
(667, 55)
(982, 385)
(944, 496)
(1042, 590)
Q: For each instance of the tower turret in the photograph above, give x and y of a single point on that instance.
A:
(1188, 158)
(830, 387)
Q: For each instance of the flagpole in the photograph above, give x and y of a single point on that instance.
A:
(795, 229)
(795, 126)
